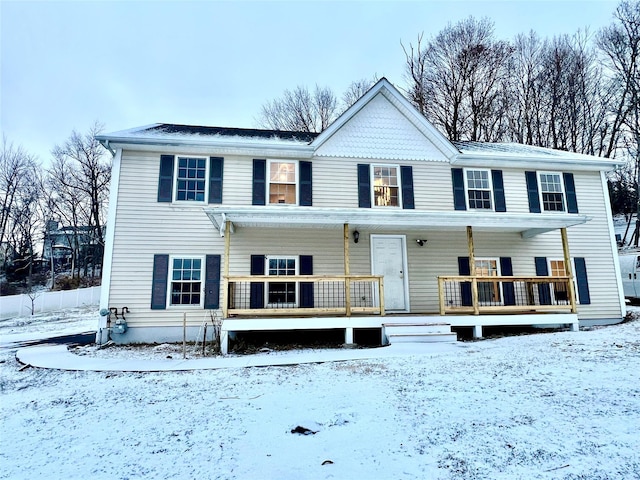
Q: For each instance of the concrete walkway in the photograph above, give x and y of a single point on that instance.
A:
(60, 358)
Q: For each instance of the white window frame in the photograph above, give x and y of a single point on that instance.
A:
(170, 280)
(296, 303)
(466, 189)
(176, 168)
(499, 273)
(540, 192)
(373, 186)
(575, 279)
(296, 165)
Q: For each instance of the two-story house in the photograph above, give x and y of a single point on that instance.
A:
(377, 222)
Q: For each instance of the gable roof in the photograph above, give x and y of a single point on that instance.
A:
(385, 88)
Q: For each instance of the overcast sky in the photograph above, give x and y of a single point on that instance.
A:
(128, 64)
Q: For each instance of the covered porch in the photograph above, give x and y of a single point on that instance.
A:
(345, 300)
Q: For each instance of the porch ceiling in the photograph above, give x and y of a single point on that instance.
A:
(527, 224)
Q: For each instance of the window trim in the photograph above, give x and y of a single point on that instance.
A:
(174, 184)
(296, 164)
(574, 278)
(562, 189)
(498, 273)
(275, 306)
(466, 189)
(202, 279)
(372, 168)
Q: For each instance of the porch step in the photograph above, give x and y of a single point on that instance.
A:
(418, 328)
(418, 332)
(421, 337)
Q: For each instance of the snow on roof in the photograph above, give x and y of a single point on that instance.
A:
(514, 150)
(169, 131)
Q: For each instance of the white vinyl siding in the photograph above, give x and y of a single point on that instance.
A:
(145, 227)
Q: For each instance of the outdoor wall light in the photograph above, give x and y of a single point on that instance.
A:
(356, 236)
(421, 241)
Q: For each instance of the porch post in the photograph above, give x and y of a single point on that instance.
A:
(225, 269)
(472, 271)
(347, 280)
(568, 269)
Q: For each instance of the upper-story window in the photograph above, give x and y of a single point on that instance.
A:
(551, 192)
(478, 184)
(283, 180)
(186, 178)
(190, 179)
(386, 186)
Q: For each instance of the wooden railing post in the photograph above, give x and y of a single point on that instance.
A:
(441, 296)
(225, 272)
(381, 295)
(568, 270)
(347, 271)
(472, 272)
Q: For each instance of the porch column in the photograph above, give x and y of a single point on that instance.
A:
(347, 282)
(225, 270)
(568, 269)
(472, 271)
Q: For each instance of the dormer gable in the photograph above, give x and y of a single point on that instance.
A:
(382, 124)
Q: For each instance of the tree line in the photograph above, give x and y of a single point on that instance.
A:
(59, 210)
(579, 93)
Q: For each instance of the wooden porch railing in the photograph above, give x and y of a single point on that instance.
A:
(500, 294)
(303, 295)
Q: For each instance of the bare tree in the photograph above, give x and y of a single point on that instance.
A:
(300, 110)
(79, 186)
(356, 90)
(455, 80)
(15, 167)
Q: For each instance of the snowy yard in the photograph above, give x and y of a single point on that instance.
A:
(563, 405)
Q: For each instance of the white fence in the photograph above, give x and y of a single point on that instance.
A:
(20, 305)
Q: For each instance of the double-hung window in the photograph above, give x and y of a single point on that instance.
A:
(552, 192)
(478, 184)
(186, 281)
(488, 292)
(283, 180)
(386, 185)
(282, 294)
(191, 179)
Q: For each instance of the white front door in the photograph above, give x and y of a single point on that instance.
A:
(388, 259)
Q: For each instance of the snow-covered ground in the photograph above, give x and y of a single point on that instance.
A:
(563, 405)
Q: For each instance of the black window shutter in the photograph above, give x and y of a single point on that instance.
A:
(570, 190)
(465, 287)
(582, 281)
(257, 288)
(259, 182)
(457, 179)
(364, 186)
(165, 181)
(544, 289)
(508, 290)
(532, 192)
(212, 282)
(498, 191)
(160, 280)
(306, 288)
(216, 169)
(406, 179)
(306, 184)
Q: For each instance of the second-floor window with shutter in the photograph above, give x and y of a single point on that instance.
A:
(478, 189)
(386, 188)
(282, 183)
(552, 192)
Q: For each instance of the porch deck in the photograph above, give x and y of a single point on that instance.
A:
(245, 323)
